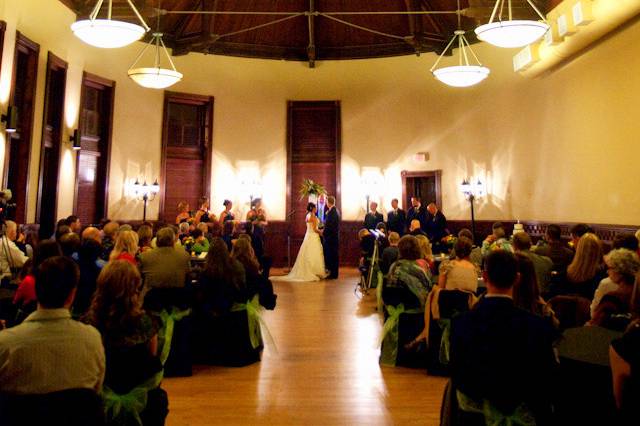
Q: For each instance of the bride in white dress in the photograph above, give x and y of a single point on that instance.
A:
(309, 264)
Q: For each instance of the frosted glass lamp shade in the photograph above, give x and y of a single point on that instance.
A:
(461, 75)
(508, 34)
(107, 33)
(155, 78)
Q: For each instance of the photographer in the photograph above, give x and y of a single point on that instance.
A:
(11, 257)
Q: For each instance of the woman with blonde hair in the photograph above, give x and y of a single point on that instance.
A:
(585, 270)
(426, 260)
(184, 215)
(126, 247)
(129, 335)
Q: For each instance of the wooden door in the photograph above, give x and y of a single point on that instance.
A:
(313, 153)
(186, 152)
(425, 185)
(18, 149)
(92, 166)
(47, 206)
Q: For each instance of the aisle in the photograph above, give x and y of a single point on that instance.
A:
(325, 372)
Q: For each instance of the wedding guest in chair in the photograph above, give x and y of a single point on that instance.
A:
(257, 282)
(585, 271)
(130, 338)
(404, 294)
(460, 273)
(224, 313)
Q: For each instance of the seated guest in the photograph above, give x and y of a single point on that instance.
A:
(586, 269)
(372, 218)
(555, 249)
(130, 337)
(396, 218)
(201, 244)
(390, 254)
(70, 244)
(25, 296)
(496, 240)
(542, 264)
(109, 234)
(204, 228)
(257, 283)
(625, 366)
(460, 273)
(499, 354)
(126, 247)
(203, 215)
(526, 292)
(92, 233)
(74, 224)
(184, 215)
(577, 231)
(408, 285)
(10, 255)
(415, 228)
(183, 231)
(145, 235)
(476, 253)
(223, 331)
(620, 241)
(49, 351)
(90, 265)
(426, 260)
(613, 310)
(226, 215)
(165, 266)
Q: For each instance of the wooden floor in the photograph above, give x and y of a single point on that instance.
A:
(325, 371)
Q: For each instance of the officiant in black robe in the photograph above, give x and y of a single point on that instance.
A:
(331, 235)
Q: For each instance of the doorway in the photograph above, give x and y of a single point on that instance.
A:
(425, 185)
(46, 209)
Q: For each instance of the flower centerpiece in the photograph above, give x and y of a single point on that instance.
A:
(450, 240)
(312, 190)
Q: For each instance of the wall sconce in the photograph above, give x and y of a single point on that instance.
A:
(472, 191)
(75, 140)
(10, 119)
(145, 193)
(252, 186)
(370, 182)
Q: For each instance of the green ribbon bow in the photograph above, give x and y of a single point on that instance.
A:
(521, 416)
(257, 325)
(445, 326)
(165, 335)
(389, 338)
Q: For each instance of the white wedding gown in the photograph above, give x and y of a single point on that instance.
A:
(309, 264)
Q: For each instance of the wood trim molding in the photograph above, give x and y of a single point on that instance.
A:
(437, 174)
(54, 64)
(189, 99)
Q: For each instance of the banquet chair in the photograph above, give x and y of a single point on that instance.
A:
(71, 407)
(571, 311)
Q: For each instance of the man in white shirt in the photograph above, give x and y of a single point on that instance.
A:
(10, 255)
(49, 351)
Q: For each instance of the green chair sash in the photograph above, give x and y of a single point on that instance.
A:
(521, 416)
(389, 337)
(165, 335)
(257, 325)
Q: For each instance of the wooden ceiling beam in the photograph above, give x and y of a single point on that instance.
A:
(311, 47)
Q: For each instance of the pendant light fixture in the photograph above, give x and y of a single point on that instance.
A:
(511, 33)
(109, 33)
(463, 74)
(155, 77)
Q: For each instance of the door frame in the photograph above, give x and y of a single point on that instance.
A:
(437, 174)
(188, 99)
(54, 64)
(100, 83)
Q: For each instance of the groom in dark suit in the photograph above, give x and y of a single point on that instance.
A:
(331, 238)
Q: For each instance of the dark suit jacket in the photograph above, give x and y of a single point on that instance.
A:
(436, 226)
(417, 214)
(397, 222)
(331, 231)
(371, 220)
(503, 354)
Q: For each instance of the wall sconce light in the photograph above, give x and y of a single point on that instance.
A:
(75, 140)
(10, 119)
(145, 193)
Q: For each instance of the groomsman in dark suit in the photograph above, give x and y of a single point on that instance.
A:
(396, 218)
(373, 218)
(416, 212)
(331, 233)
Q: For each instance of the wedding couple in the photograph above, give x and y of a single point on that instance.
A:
(316, 259)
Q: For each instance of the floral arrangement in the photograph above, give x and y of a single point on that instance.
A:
(309, 187)
(188, 243)
(450, 240)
